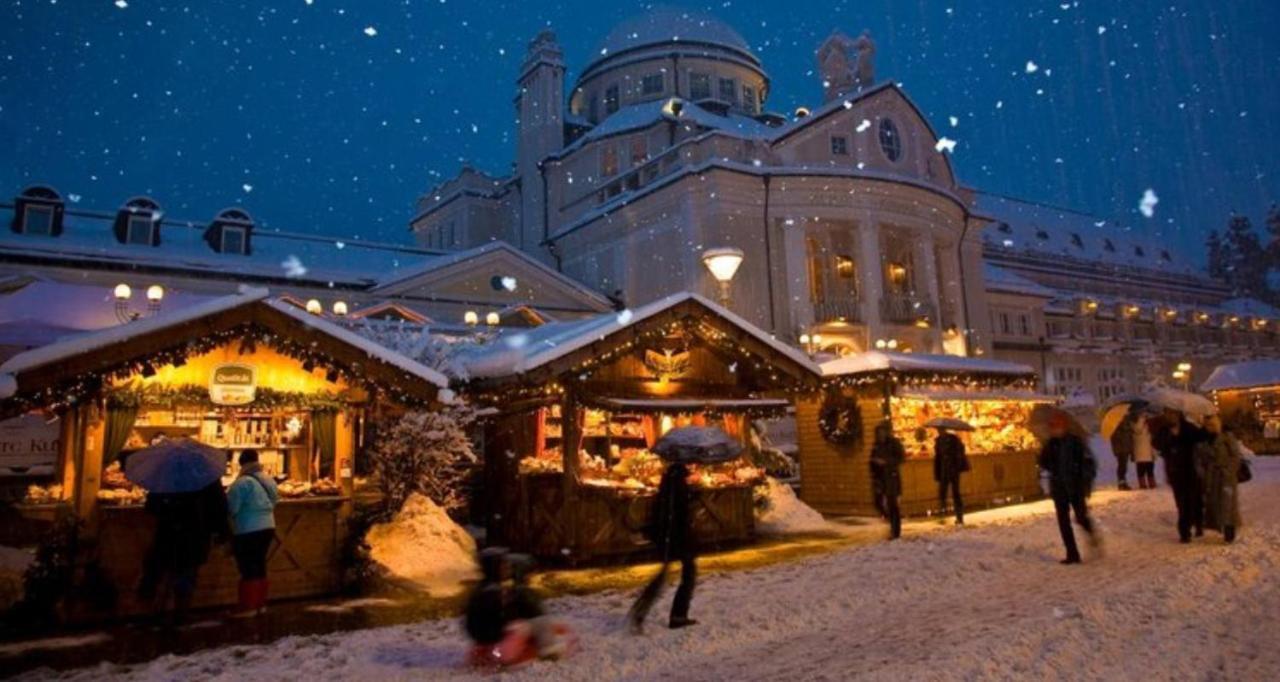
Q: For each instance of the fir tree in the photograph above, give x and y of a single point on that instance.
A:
(1247, 261)
(1217, 255)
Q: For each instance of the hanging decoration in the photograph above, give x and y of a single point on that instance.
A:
(195, 396)
(840, 419)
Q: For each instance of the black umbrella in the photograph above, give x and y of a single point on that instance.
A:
(697, 445)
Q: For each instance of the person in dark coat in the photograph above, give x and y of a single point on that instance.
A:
(1122, 447)
(487, 607)
(887, 454)
(949, 461)
(186, 526)
(1220, 463)
(1176, 439)
(1070, 466)
(672, 533)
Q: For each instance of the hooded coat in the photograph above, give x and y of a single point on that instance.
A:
(1221, 461)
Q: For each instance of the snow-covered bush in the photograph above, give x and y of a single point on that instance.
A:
(437, 351)
(425, 452)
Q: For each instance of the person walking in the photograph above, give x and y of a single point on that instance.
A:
(949, 461)
(1071, 470)
(887, 454)
(1176, 440)
(1122, 446)
(1144, 456)
(672, 532)
(1221, 458)
(251, 501)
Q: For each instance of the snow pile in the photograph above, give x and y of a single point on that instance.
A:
(13, 564)
(786, 514)
(423, 546)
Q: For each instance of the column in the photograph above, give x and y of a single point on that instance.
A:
(871, 277)
(796, 282)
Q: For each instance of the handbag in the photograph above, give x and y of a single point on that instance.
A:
(1244, 474)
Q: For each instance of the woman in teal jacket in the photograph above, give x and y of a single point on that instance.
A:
(251, 501)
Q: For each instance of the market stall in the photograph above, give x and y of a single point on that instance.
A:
(569, 471)
(836, 426)
(1248, 398)
(237, 373)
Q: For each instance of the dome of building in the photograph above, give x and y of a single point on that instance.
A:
(671, 25)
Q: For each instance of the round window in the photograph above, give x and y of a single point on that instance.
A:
(890, 140)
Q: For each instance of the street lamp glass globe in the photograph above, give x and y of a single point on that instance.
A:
(723, 262)
(123, 292)
(470, 317)
(340, 308)
(155, 293)
(314, 307)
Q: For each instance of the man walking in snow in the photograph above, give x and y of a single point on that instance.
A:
(672, 531)
(886, 473)
(949, 461)
(1176, 440)
(1071, 470)
(1122, 445)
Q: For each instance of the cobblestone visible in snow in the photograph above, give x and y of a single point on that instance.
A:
(989, 601)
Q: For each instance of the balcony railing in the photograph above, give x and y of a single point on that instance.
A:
(906, 309)
(842, 309)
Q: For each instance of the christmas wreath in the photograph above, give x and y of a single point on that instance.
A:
(840, 420)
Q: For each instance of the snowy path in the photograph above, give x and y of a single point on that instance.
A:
(986, 602)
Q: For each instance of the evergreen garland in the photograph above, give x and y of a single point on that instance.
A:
(192, 395)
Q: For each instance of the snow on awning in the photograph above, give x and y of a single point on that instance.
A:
(691, 405)
(976, 394)
(1243, 375)
(881, 361)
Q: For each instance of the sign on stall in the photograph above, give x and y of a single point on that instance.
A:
(28, 446)
(232, 384)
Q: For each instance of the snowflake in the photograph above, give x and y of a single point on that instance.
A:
(625, 316)
(293, 268)
(862, 127)
(370, 31)
(1031, 67)
(1147, 206)
(945, 144)
(121, 4)
(247, 187)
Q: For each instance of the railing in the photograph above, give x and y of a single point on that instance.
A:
(906, 308)
(841, 309)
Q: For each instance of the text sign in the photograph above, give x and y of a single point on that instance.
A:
(28, 446)
(232, 384)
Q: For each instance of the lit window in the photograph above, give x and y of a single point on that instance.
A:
(37, 220)
(699, 86)
(890, 142)
(233, 240)
(651, 84)
(610, 99)
(839, 145)
(140, 230)
(729, 90)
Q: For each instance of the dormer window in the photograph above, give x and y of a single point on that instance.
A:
(1042, 235)
(1005, 228)
(231, 232)
(138, 222)
(1139, 252)
(38, 210)
(1108, 246)
(1164, 256)
(1077, 241)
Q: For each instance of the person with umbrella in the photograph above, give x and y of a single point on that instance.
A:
(671, 528)
(1122, 446)
(251, 500)
(184, 494)
(1144, 456)
(1176, 439)
(1065, 456)
(886, 473)
(949, 461)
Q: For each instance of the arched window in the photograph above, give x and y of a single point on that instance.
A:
(890, 140)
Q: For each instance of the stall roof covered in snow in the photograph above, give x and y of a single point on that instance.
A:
(1025, 227)
(1241, 375)
(880, 361)
(518, 351)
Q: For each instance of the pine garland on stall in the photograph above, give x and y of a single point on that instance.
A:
(427, 452)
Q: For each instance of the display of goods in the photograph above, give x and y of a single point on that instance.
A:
(38, 494)
(113, 478)
(122, 496)
(999, 425)
(294, 489)
(325, 486)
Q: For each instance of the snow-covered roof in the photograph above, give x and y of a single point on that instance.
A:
(878, 361)
(1249, 307)
(1028, 227)
(60, 351)
(518, 351)
(88, 236)
(1009, 282)
(666, 25)
(645, 114)
(1240, 375)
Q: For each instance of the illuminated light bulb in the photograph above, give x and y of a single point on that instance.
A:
(471, 318)
(123, 292)
(314, 307)
(492, 319)
(155, 293)
(340, 308)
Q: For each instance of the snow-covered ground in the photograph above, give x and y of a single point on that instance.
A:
(989, 601)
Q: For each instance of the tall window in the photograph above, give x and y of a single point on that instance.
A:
(233, 240)
(699, 86)
(37, 220)
(610, 99)
(813, 253)
(749, 101)
(846, 275)
(140, 230)
(651, 84)
(1024, 324)
(639, 150)
(1004, 323)
(890, 141)
(729, 90)
(839, 145)
(608, 161)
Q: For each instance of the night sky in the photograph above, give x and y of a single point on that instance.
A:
(333, 116)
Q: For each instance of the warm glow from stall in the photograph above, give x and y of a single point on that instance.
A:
(274, 371)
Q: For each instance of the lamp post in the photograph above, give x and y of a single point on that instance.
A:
(123, 293)
(723, 264)
(1183, 373)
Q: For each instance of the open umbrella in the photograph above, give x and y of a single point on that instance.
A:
(1041, 415)
(697, 445)
(1191, 404)
(1117, 412)
(176, 465)
(949, 423)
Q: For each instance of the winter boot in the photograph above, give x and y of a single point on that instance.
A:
(245, 608)
(1229, 533)
(260, 596)
(1123, 485)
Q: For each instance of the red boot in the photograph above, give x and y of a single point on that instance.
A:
(260, 595)
(245, 607)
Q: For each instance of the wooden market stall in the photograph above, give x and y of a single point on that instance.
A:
(836, 427)
(1248, 398)
(240, 372)
(569, 474)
